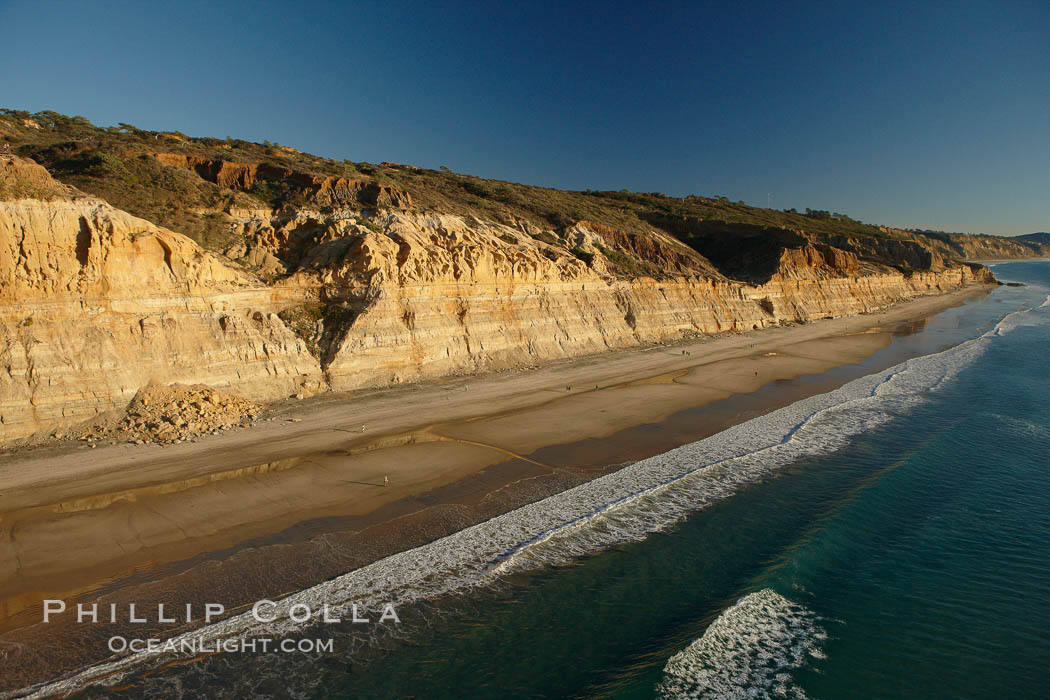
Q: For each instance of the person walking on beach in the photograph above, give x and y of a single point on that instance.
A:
(386, 481)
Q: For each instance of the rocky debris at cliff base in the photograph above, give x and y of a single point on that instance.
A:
(169, 414)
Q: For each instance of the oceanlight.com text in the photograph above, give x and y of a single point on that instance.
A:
(199, 645)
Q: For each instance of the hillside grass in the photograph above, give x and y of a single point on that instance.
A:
(116, 163)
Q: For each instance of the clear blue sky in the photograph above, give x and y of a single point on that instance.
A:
(924, 114)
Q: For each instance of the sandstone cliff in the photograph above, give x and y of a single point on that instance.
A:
(321, 190)
(353, 289)
(95, 304)
(982, 247)
(437, 295)
(995, 247)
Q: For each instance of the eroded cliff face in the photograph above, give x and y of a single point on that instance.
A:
(996, 247)
(438, 296)
(95, 303)
(322, 190)
(985, 247)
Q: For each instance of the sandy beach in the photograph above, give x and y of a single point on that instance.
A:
(292, 501)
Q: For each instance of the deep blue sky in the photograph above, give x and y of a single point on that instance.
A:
(924, 114)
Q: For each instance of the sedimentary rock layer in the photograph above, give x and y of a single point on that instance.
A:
(445, 296)
(96, 304)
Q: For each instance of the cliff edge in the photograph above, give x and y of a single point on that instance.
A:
(350, 282)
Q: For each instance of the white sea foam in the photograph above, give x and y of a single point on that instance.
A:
(747, 652)
(626, 505)
(1022, 318)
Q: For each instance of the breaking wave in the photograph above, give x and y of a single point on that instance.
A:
(747, 652)
(645, 497)
(1020, 318)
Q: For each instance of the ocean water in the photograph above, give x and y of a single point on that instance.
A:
(890, 539)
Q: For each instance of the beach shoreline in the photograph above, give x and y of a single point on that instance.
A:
(456, 452)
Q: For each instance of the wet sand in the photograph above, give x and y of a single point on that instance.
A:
(281, 506)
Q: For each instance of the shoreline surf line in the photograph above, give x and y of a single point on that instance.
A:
(445, 567)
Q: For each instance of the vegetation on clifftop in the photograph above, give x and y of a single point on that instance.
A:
(120, 164)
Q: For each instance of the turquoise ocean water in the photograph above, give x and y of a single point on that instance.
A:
(888, 540)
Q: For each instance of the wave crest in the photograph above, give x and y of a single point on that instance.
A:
(747, 652)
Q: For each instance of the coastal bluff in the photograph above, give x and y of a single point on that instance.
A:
(96, 303)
